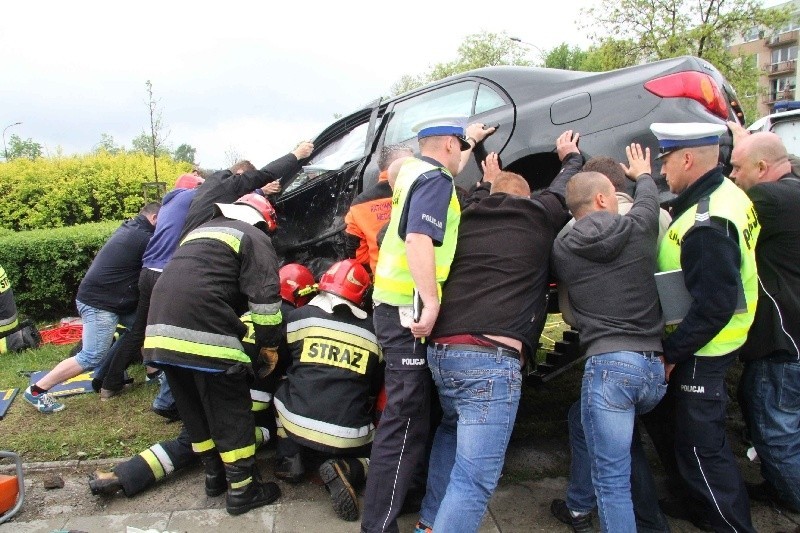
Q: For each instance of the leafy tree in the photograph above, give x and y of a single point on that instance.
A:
(565, 57)
(660, 29)
(143, 143)
(610, 54)
(108, 145)
(185, 153)
(18, 148)
(478, 50)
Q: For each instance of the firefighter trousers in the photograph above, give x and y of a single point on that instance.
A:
(216, 410)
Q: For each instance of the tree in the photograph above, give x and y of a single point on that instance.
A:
(184, 153)
(18, 148)
(232, 156)
(610, 54)
(660, 29)
(108, 145)
(477, 50)
(153, 143)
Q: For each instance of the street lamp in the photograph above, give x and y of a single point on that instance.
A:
(542, 55)
(5, 150)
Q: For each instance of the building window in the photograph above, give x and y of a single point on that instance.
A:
(787, 53)
(752, 34)
(782, 88)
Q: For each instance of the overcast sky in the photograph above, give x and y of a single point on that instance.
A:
(239, 76)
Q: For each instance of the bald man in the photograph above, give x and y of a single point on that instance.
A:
(770, 386)
(608, 261)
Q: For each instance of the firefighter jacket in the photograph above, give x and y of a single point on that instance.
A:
(326, 399)
(219, 271)
(8, 307)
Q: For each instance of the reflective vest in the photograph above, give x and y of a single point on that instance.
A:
(730, 203)
(393, 282)
(8, 308)
(324, 402)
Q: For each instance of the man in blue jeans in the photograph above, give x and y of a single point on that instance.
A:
(107, 295)
(621, 330)
(771, 377)
(475, 356)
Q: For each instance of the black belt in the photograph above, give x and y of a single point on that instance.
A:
(494, 350)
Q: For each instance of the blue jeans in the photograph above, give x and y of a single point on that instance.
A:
(164, 399)
(98, 333)
(616, 387)
(773, 411)
(479, 393)
(580, 491)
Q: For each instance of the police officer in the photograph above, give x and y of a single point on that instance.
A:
(325, 402)
(415, 254)
(194, 333)
(712, 239)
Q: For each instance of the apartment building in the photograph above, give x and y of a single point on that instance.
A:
(775, 53)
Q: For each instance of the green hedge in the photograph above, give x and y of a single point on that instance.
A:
(46, 266)
(65, 191)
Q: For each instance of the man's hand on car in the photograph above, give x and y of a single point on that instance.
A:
(272, 187)
(478, 132)
(737, 130)
(303, 150)
(638, 162)
(567, 143)
(491, 167)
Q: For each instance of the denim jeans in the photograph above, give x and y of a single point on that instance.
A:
(580, 491)
(616, 387)
(773, 411)
(98, 333)
(479, 393)
(164, 399)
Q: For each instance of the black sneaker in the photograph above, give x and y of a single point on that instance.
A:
(343, 497)
(579, 524)
(171, 415)
(686, 509)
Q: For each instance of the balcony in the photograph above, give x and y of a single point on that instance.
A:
(786, 94)
(789, 37)
(783, 67)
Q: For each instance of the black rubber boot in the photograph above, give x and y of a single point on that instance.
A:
(216, 482)
(341, 478)
(255, 493)
(105, 483)
(291, 469)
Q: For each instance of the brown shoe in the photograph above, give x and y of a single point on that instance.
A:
(107, 394)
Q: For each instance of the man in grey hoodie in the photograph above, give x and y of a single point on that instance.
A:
(609, 260)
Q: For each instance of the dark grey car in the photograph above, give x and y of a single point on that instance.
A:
(532, 106)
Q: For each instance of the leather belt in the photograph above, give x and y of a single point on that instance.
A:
(493, 350)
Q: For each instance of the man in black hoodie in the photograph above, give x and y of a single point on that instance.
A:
(107, 296)
(621, 328)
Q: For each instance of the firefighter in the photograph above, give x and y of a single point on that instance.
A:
(8, 311)
(194, 333)
(325, 403)
(160, 460)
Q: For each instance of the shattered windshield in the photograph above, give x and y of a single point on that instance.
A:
(350, 147)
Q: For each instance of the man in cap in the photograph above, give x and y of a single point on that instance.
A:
(415, 256)
(712, 239)
(159, 251)
(770, 385)
(220, 270)
(474, 352)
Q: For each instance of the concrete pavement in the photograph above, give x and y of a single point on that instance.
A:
(179, 504)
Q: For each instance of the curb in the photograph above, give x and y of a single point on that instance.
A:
(72, 464)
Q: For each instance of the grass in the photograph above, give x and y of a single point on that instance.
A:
(87, 428)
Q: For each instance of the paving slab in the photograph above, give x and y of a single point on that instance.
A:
(118, 523)
(260, 520)
(34, 526)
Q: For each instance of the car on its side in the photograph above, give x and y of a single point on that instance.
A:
(532, 107)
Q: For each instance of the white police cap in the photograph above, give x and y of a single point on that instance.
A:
(444, 126)
(677, 135)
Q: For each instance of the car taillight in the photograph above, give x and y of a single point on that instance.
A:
(691, 84)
